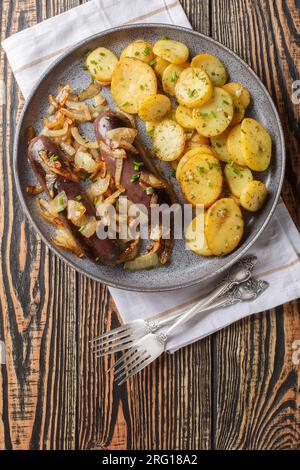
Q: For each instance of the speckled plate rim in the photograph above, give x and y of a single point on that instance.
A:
(123, 286)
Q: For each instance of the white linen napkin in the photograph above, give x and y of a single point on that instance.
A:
(31, 51)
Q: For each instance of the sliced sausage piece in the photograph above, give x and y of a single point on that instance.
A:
(105, 251)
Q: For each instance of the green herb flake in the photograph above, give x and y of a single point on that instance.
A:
(134, 178)
(146, 51)
(85, 67)
(149, 190)
(97, 258)
(226, 102)
(125, 104)
(174, 77)
(152, 62)
(54, 158)
(78, 197)
(81, 229)
(137, 165)
(165, 37)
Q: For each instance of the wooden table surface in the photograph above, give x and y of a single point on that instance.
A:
(237, 389)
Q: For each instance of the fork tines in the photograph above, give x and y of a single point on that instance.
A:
(130, 364)
(112, 341)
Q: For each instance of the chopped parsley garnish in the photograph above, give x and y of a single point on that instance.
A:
(137, 53)
(174, 77)
(102, 54)
(97, 258)
(134, 178)
(85, 67)
(94, 62)
(225, 102)
(81, 229)
(78, 197)
(142, 87)
(152, 62)
(54, 158)
(155, 149)
(200, 169)
(60, 200)
(149, 190)
(192, 93)
(126, 103)
(137, 165)
(146, 51)
(165, 37)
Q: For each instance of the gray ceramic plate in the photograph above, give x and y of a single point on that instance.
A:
(186, 268)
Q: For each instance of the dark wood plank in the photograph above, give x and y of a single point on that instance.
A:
(38, 313)
(256, 394)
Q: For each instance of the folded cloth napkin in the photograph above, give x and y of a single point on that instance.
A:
(31, 51)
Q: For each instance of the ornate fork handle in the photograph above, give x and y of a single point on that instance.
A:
(240, 272)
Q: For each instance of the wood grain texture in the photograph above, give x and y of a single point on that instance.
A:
(235, 390)
(256, 386)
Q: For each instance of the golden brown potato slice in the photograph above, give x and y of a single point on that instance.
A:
(201, 149)
(154, 108)
(193, 88)
(101, 64)
(160, 65)
(140, 50)
(212, 66)
(184, 117)
(215, 116)
(238, 107)
(237, 177)
(256, 145)
(168, 140)
(195, 236)
(239, 91)
(170, 77)
(132, 82)
(253, 195)
(173, 51)
(201, 179)
(234, 145)
(224, 226)
(219, 144)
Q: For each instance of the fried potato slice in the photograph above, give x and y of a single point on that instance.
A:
(212, 66)
(193, 87)
(184, 117)
(238, 108)
(160, 66)
(170, 77)
(195, 237)
(253, 195)
(150, 126)
(215, 116)
(219, 145)
(239, 91)
(173, 51)
(224, 226)
(201, 179)
(154, 108)
(101, 63)
(132, 82)
(256, 145)
(234, 145)
(237, 177)
(140, 50)
(168, 140)
(200, 150)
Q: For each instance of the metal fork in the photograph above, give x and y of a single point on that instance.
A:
(123, 337)
(150, 347)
